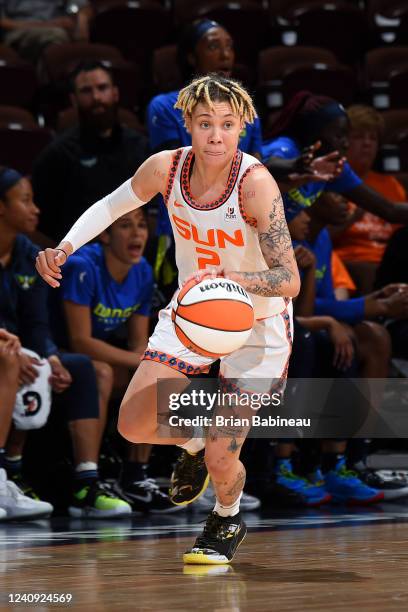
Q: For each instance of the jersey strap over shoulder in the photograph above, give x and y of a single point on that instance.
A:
(216, 233)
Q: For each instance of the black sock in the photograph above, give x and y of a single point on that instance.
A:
(84, 478)
(133, 471)
(330, 460)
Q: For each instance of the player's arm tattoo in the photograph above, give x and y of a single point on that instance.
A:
(276, 247)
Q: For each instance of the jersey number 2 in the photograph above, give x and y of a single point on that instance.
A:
(211, 259)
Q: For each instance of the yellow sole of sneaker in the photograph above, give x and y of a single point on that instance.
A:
(201, 559)
(190, 501)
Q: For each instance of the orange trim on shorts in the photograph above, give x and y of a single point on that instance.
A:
(171, 175)
(286, 319)
(249, 220)
(174, 362)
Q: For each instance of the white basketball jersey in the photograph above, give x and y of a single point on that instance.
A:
(217, 233)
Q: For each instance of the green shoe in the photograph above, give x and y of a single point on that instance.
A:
(24, 486)
(98, 501)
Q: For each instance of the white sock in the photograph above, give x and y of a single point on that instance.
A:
(193, 446)
(84, 466)
(227, 510)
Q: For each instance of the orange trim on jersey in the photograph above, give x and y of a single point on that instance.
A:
(174, 362)
(250, 220)
(172, 174)
(185, 182)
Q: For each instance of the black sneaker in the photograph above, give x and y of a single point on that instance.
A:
(145, 496)
(189, 479)
(392, 485)
(219, 541)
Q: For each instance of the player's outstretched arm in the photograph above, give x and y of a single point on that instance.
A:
(149, 179)
(262, 200)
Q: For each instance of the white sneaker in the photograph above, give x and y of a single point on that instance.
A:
(17, 505)
(206, 501)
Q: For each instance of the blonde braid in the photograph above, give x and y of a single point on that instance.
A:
(204, 90)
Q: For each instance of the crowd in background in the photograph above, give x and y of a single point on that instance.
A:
(67, 356)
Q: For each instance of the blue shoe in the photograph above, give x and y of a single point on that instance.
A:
(346, 488)
(309, 494)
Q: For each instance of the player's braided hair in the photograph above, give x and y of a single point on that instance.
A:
(215, 88)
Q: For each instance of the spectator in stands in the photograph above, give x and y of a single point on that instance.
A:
(107, 291)
(309, 119)
(205, 46)
(361, 241)
(23, 311)
(89, 160)
(322, 348)
(29, 26)
(330, 346)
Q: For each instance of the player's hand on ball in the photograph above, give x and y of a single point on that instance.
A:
(48, 263)
(212, 272)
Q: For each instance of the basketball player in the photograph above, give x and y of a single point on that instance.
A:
(234, 196)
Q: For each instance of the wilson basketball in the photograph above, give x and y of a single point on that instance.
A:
(213, 317)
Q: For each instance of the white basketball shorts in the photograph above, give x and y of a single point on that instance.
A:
(265, 355)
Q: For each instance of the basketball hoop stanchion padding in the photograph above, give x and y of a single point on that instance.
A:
(214, 317)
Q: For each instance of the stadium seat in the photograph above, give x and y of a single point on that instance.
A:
(136, 28)
(325, 25)
(246, 21)
(166, 73)
(275, 62)
(68, 118)
(9, 55)
(186, 11)
(396, 125)
(60, 60)
(20, 147)
(18, 83)
(16, 118)
(385, 76)
(337, 82)
(387, 20)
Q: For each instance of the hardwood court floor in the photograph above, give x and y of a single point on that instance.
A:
(325, 561)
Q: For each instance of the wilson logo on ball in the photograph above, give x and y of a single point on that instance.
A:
(213, 318)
